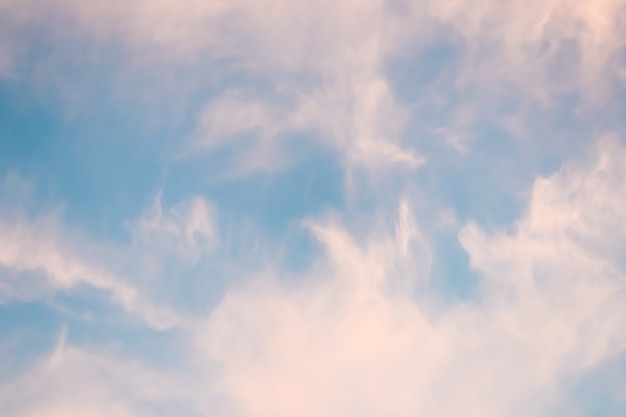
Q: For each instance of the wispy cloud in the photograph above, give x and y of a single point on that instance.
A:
(247, 92)
(188, 229)
(363, 331)
(40, 256)
(549, 308)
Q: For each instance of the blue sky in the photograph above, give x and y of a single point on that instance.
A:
(275, 208)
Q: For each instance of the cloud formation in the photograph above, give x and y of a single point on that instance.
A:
(41, 256)
(431, 102)
(350, 341)
(363, 332)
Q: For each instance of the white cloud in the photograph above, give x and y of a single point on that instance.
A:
(75, 382)
(328, 70)
(187, 229)
(340, 343)
(363, 333)
(360, 120)
(559, 280)
(40, 256)
(543, 46)
(41, 247)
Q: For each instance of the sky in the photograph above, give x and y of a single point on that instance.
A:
(347, 208)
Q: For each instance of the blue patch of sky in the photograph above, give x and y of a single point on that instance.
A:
(90, 129)
(275, 200)
(28, 331)
(101, 146)
(87, 168)
(451, 276)
(414, 75)
(598, 392)
(105, 160)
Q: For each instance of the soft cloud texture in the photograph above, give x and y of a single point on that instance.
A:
(362, 332)
(40, 256)
(39, 250)
(550, 308)
(211, 101)
(188, 229)
(74, 382)
(327, 72)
